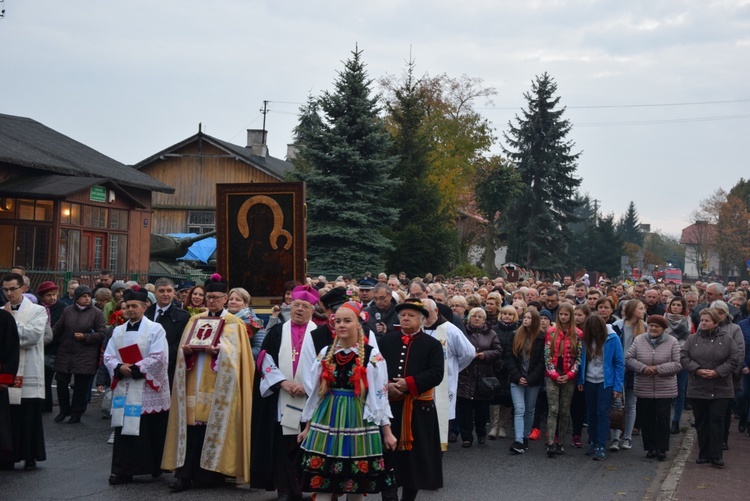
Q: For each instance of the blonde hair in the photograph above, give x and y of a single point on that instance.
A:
(244, 295)
(571, 328)
(511, 310)
(329, 366)
(628, 311)
(478, 310)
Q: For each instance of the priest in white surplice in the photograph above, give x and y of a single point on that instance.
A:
(137, 360)
(458, 352)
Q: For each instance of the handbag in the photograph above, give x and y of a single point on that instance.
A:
(617, 415)
(487, 387)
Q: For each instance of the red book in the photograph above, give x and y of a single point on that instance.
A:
(131, 354)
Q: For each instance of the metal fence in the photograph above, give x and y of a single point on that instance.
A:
(61, 278)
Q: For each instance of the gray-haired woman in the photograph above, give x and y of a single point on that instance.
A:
(710, 356)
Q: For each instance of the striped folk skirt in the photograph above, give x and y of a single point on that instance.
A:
(342, 453)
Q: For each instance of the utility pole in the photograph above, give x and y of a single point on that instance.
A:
(265, 112)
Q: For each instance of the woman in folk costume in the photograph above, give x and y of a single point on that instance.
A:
(342, 444)
(208, 436)
(137, 360)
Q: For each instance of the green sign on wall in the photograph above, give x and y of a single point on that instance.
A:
(98, 194)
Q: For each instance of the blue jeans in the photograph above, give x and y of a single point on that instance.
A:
(524, 403)
(598, 404)
(679, 402)
(630, 404)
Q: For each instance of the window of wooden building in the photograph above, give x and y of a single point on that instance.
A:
(201, 221)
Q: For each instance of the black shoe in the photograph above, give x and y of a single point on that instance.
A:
(61, 417)
(675, 429)
(481, 440)
(718, 463)
(517, 448)
(181, 484)
(701, 460)
(466, 444)
(661, 455)
(117, 480)
(651, 454)
(725, 446)
(551, 450)
(74, 420)
(452, 437)
(742, 426)
(29, 465)
(559, 449)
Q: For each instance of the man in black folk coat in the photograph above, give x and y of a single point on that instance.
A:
(415, 367)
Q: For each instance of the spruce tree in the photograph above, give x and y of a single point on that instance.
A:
(423, 236)
(629, 228)
(539, 147)
(345, 162)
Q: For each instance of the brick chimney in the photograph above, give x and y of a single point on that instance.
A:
(256, 141)
(291, 152)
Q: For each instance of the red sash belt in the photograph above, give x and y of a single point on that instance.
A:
(406, 440)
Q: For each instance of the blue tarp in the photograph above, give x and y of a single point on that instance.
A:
(199, 251)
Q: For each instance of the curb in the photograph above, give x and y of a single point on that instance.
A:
(670, 484)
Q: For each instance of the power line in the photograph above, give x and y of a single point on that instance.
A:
(659, 122)
(245, 127)
(644, 105)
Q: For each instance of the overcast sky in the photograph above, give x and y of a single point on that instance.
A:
(132, 78)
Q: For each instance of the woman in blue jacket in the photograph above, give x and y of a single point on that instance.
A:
(601, 377)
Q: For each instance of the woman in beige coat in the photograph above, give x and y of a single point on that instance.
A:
(655, 360)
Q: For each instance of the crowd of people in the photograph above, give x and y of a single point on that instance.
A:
(358, 386)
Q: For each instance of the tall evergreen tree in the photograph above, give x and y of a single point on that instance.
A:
(539, 147)
(595, 243)
(423, 236)
(345, 162)
(629, 228)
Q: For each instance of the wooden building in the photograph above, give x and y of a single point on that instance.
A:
(67, 207)
(194, 167)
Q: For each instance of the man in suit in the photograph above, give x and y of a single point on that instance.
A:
(172, 318)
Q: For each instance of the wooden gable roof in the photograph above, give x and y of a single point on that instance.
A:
(274, 167)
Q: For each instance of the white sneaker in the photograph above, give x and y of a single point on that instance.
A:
(111, 439)
(627, 444)
(614, 446)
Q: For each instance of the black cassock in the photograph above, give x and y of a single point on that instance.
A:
(421, 362)
(275, 458)
(9, 356)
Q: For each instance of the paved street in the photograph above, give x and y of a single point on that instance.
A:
(79, 460)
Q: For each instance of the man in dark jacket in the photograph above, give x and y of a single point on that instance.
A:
(78, 334)
(169, 316)
(654, 306)
(714, 292)
(382, 311)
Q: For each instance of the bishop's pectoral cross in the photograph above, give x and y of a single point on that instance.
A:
(295, 353)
